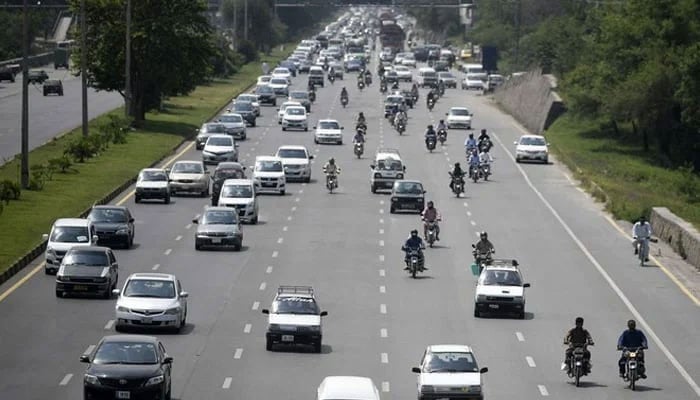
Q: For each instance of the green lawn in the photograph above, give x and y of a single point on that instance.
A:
(633, 180)
(22, 222)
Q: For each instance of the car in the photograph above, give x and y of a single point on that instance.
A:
(386, 169)
(302, 97)
(280, 86)
(151, 300)
(392, 103)
(240, 195)
(219, 226)
(459, 118)
(65, 234)
(294, 318)
(391, 76)
(295, 118)
(246, 110)
(37, 76)
(474, 81)
(234, 125)
(409, 60)
(493, 81)
(353, 65)
(407, 195)
(222, 172)
(296, 161)
(500, 288)
(282, 72)
(127, 367)
(152, 183)
(427, 77)
(266, 95)
(465, 54)
(532, 147)
(347, 387)
(421, 54)
(386, 55)
(264, 79)
(403, 73)
(448, 79)
(53, 86)
(190, 177)
(304, 66)
(441, 65)
(113, 225)
(88, 270)
(338, 68)
(316, 76)
(7, 74)
(208, 129)
(253, 99)
(328, 131)
(220, 148)
(283, 108)
(268, 174)
(398, 58)
(449, 371)
(407, 95)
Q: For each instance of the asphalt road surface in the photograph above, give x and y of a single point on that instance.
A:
(347, 246)
(49, 116)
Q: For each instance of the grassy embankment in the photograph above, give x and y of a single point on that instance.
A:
(633, 180)
(22, 222)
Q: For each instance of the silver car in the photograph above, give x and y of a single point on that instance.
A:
(253, 99)
(151, 300)
(190, 177)
(234, 124)
(218, 227)
(208, 129)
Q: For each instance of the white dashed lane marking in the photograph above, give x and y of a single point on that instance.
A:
(382, 308)
(284, 228)
(382, 289)
(155, 267)
(280, 240)
(385, 387)
(109, 324)
(381, 211)
(383, 333)
(167, 252)
(237, 355)
(294, 208)
(227, 383)
(247, 328)
(269, 269)
(275, 254)
(381, 257)
(520, 336)
(543, 390)
(289, 218)
(381, 231)
(178, 238)
(469, 213)
(385, 358)
(188, 226)
(381, 243)
(473, 223)
(530, 361)
(66, 379)
(263, 286)
(382, 272)
(256, 305)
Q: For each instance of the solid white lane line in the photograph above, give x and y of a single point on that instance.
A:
(269, 269)
(275, 254)
(167, 252)
(385, 387)
(237, 355)
(381, 231)
(89, 349)
(188, 226)
(263, 286)
(543, 390)
(520, 336)
(178, 238)
(382, 272)
(280, 240)
(385, 358)
(247, 328)
(383, 333)
(65, 380)
(227, 383)
(381, 243)
(637, 315)
(530, 361)
(382, 308)
(284, 228)
(256, 305)
(382, 289)
(109, 324)
(155, 267)
(381, 257)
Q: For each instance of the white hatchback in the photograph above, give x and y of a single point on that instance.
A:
(268, 174)
(296, 161)
(295, 118)
(459, 118)
(283, 108)
(347, 387)
(449, 371)
(532, 147)
(219, 148)
(240, 194)
(282, 73)
(403, 73)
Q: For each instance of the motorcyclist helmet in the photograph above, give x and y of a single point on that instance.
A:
(331, 161)
(483, 131)
(471, 136)
(484, 235)
(430, 127)
(579, 321)
(362, 115)
(457, 165)
(414, 233)
(631, 324)
(442, 121)
(642, 219)
(431, 204)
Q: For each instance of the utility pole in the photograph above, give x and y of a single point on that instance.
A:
(83, 65)
(25, 96)
(519, 16)
(127, 74)
(234, 39)
(245, 20)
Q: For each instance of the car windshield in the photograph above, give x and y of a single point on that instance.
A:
(88, 258)
(291, 153)
(228, 174)
(501, 278)
(450, 362)
(247, 97)
(299, 95)
(394, 99)
(188, 168)
(237, 191)
(114, 215)
(409, 188)
(429, 74)
(243, 106)
(231, 118)
(217, 217)
(268, 166)
(295, 111)
(281, 71)
(264, 90)
(389, 165)
(328, 125)
(154, 176)
(220, 141)
(70, 234)
(126, 353)
(264, 78)
(278, 81)
(532, 141)
(446, 75)
(152, 288)
(459, 111)
(295, 305)
(214, 128)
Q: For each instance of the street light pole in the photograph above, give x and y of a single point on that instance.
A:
(83, 65)
(127, 74)
(24, 180)
(245, 20)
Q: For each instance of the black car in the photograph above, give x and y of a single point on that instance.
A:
(421, 54)
(114, 225)
(133, 367)
(37, 76)
(407, 196)
(246, 110)
(7, 74)
(266, 95)
(223, 171)
(408, 97)
(87, 270)
(442, 66)
(53, 86)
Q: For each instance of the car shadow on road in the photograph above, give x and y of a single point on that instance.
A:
(296, 348)
(420, 277)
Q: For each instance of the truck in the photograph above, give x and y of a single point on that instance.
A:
(391, 34)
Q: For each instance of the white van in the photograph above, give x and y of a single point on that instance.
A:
(427, 77)
(316, 75)
(240, 194)
(473, 68)
(268, 175)
(347, 387)
(66, 233)
(386, 169)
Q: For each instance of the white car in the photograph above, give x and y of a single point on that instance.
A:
(151, 300)
(399, 58)
(282, 72)
(264, 79)
(253, 99)
(296, 161)
(280, 86)
(347, 387)
(240, 194)
(448, 79)
(281, 110)
(294, 318)
(449, 371)
(328, 131)
(403, 73)
(152, 183)
(219, 148)
(409, 60)
(268, 174)
(459, 118)
(66, 233)
(474, 81)
(532, 147)
(295, 118)
(500, 289)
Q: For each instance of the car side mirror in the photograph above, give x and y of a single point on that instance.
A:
(45, 236)
(526, 285)
(244, 168)
(416, 370)
(314, 127)
(311, 157)
(548, 144)
(95, 239)
(483, 370)
(278, 108)
(372, 166)
(446, 114)
(207, 172)
(85, 358)
(425, 191)
(515, 143)
(131, 220)
(265, 311)
(184, 295)
(168, 360)
(473, 246)
(324, 313)
(116, 292)
(342, 127)
(404, 168)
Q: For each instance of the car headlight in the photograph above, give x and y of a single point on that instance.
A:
(474, 389)
(377, 176)
(481, 297)
(123, 231)
(173, 311)
(122, 309)
(399, 176)
(50, 252)
(60, 278)
(518, 299)
(201, 235)
(91, 379)
(155, 380)
(394, 199)
(206, 153)
(273, 327)
(427, 389)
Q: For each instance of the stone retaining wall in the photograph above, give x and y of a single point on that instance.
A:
(679, 234)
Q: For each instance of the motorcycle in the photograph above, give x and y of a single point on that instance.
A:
(359, 148)
(360, 85)
(474, 173)
(457, 185)
(415, 262)
(401, 127)
(361, 127)
(633, 365)
(431, 234)
(382, 87)
(431, 104)
(481, 259)
(485, 145)
(368, 80)
(344, 101)
(485, 170)
(442, 136)
(578, 365)
(331, 182)
(430, 144)
(331, 78)
(312, 96)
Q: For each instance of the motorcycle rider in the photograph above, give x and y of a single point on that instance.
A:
(359, 137)
(484, 138)
(470, 143)
(441, 126)
(483, 135)
(630, 339)
(414, 242)
(361, 118)
(641, 231)
(474, 162)
(577, 337)
(343, 94)
(430, 134)
(456, 173)
(483, 246)
(430, 97)
(431, 214)
(331, 169)
(485, 159)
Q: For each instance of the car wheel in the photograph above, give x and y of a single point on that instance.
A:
(137, 199)
(108, 293)
(392, 210)
(306, 129)
(131, 243)
(282, 193)
(373, 189)
(253, 124)
(118, 327)
(268, 345)
(237, 247)
(517, 159)
(206, 192)
(308, 179)
(284, 129)
(315, 141)
(521, 315)
(59, 293)
(169, 393)
(197, 247)
(167, 200)
(546, 160)
(477, 314)
(317, 347)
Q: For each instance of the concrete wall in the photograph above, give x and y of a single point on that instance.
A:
(531, 99)
(679, 234)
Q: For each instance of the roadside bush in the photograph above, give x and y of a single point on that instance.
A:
(248, 51)
(62, 164)
(40, 174)
(116, 129)
(689, 184)
(80, 149)
(9, 190)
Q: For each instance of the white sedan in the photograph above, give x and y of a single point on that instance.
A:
(459, 118)
(449, 371)
(283, 108)
(264, 79)
(295, 118)
(403, 73)
(474, 81)
(282, 72)
(532, 147)
(151, 299)
(328, 131)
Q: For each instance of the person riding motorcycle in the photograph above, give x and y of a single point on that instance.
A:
(430, 134)
(456, 173)
(485, 159)
(484, 138)
(577, 337)
(441, 126)
(343, 94)
(395, 85)
(358, 138)
(400, 117)
(641, 231)
(441, 87)
(632, 338)
(474, 162)
(431, 214)
(331, 169)
(430, 97)
(414, 242)
(483, 247)
(470, 143)
(361, 118)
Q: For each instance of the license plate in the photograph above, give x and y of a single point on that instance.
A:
(80, 288)
(493, 306)
(269, 184)
(216, 240)
(146, 320)
(287, 338)
(123, 395)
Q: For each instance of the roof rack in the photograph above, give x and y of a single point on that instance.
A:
(295, 290)
(503, 262)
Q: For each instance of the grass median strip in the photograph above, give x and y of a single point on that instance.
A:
(23, 221)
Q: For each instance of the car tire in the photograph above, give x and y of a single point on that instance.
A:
(315, 141)
(373, 189)
(477, 314)
(392, 210)
(318, 347)
(118, 328)
(306, 129)
(167, 200)
(284, 129)
(253, 124)
(238, 247)
(521, 315)
(517, 160)
(254, 220)
(169, 393)
(307, 180)
(546, 160)
(282, 193)
(197, 247)
(137, 199)
(60, 294)
(206, 192)
(268, 345)
(130, 244)
(108, 293)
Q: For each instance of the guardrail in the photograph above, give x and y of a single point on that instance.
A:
(38, 60)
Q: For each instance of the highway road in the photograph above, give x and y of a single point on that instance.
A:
(49, 116)
(347, 246)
